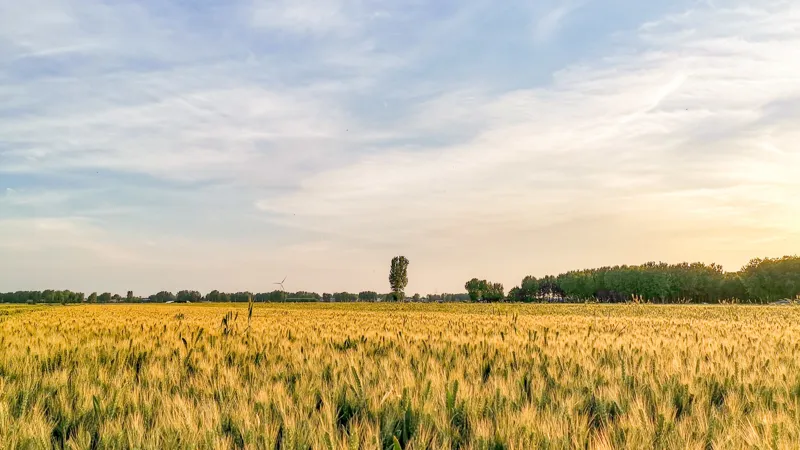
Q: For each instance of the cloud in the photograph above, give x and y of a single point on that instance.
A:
(52, 32)
(43, 235)
(629, 136)
(301, 16)
(552, 21)
(185, 123)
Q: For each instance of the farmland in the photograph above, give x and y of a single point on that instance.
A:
(408, 376)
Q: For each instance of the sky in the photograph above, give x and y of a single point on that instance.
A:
(226, 144)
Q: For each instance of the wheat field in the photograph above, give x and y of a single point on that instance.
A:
(407, 376)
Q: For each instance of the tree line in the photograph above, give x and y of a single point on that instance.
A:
(760, 281)
(187, 296)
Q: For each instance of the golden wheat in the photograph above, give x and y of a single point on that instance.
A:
(329, 376)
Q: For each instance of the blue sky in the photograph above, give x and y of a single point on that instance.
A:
(226, 144)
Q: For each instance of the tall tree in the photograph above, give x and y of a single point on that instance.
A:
(398, 277)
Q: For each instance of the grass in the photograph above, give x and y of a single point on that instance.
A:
(334, 376)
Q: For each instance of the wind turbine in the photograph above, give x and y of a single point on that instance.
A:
(283, 291)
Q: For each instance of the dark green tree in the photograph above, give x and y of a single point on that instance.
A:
(475, 289)
(493, 292)
(188, 297)
(342, 297)
(398, 277)
(164, 297)
(772, 279)
(276, 296)
(482, 290)
(528, 290)
(367, 296)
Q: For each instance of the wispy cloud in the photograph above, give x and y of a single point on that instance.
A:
(549, 23)
(302, 16)
(611, 138)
